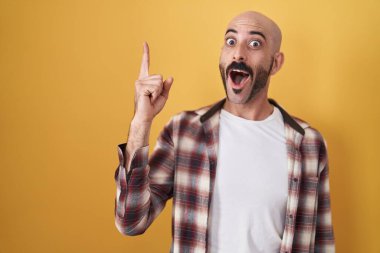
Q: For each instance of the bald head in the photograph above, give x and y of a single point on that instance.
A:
(259, 23)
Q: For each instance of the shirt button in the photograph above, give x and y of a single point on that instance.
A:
(295, 180)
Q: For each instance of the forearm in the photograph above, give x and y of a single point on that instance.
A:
(138, 137)
(143, 191)
(129, 213)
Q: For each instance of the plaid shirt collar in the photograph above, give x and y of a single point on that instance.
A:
(287, 118)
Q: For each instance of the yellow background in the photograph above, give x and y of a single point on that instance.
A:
(67, 70)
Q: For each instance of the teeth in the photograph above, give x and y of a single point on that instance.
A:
(240, 71)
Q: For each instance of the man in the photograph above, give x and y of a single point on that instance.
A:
(245, 176)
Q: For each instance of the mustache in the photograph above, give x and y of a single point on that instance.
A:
(239, 66)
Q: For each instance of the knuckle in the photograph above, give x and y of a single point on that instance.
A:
(157, 76)
(157, 84)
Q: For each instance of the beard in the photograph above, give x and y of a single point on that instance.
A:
(259, 80)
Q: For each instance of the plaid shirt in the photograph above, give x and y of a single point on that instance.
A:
(183, 166)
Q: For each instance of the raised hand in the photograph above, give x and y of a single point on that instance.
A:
(151, 92)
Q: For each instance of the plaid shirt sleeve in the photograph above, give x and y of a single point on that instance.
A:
(324, 238)
(143, 191)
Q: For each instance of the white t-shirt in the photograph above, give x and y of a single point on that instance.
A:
(251, 186)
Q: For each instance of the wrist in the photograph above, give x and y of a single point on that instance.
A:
(139, 122)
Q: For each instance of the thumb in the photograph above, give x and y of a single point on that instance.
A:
(167, 85)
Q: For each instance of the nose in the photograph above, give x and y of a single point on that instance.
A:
(239, 53)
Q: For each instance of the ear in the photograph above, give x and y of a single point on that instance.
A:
(278, 60)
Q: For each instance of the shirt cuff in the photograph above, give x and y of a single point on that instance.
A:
(138, 160)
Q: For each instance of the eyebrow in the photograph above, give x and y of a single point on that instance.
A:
(250, 32)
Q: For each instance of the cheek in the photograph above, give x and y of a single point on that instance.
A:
(259, 59)
(221, 61)
(224, 54)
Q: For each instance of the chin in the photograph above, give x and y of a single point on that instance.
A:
(236, 98)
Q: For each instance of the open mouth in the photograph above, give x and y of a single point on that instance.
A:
(238, 78)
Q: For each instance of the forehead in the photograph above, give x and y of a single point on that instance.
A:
(252, 21)
(243, 22)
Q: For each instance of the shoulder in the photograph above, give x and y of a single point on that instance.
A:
(313, 142)
(313, 145)
(311, 133)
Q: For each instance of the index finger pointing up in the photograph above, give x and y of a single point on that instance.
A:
(144, 70)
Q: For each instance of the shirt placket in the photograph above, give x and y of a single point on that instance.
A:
(293, 141)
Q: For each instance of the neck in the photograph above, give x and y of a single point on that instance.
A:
(257, 109)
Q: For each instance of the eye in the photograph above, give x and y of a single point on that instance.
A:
(255, 43)
(230, 42)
